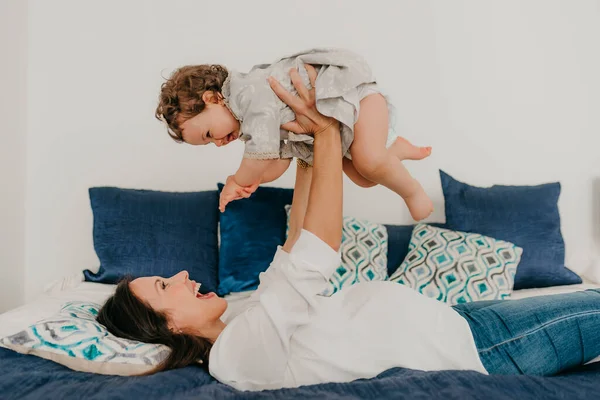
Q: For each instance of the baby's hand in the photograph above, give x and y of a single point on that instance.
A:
(232, 191)
(248, 190)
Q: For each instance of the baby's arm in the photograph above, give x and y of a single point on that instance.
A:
(276, 170)
(235, 191)
(245, 181)
(251, 171)
(271, 170)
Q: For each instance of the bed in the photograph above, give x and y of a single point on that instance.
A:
(126, 219)
(29, 377)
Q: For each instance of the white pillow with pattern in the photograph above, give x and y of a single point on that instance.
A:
(458, 267)
(75, 339)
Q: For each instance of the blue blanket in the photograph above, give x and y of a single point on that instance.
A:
(29, 377)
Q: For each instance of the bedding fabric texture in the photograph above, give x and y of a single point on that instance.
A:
(25, 377)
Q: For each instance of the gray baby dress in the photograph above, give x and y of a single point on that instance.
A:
(344, 78)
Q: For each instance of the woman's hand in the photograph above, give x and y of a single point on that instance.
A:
(308, 119)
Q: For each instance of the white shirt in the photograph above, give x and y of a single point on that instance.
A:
(291, 336)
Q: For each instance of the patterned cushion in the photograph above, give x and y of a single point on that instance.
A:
(364, 254)
(458, 267)
(73, 338)
(398, 242)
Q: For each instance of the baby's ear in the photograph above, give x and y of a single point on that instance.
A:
(209, 97)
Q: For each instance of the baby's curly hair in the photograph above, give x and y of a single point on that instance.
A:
(181, 95)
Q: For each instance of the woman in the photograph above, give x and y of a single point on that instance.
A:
(290, 336)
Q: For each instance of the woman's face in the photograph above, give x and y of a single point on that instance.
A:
(187, 310)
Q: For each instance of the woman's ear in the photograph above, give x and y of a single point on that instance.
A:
(174, 329)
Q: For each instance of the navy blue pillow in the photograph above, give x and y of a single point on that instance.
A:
(251, 229)
(524, 215)
(144, 233)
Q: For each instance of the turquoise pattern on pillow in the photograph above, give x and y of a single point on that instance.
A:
(458, 267)
(364, 254)
(74, 332)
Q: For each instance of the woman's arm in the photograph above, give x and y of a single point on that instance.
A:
(324, 208)
(324, 211)
(299, 205)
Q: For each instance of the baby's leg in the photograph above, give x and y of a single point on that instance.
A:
(405, 150)
(354, 175)
(374, 162)
(401, 148)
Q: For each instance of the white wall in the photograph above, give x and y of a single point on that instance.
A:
(13, 48)
(505, 91)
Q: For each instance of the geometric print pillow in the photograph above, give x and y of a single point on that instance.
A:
(73, 338)
(363, 251)
(458, 267)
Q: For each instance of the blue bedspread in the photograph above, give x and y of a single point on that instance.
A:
(28, 377)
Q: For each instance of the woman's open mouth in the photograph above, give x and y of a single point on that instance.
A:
(200, 295)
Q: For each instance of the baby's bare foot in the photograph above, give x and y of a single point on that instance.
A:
(419, 204)
(405, 150)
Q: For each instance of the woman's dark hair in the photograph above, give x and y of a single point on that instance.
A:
(181, 95)
(126, 316)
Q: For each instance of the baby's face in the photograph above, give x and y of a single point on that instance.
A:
(215, 124)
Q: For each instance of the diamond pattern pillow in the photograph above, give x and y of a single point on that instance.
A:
(458, 267)
(364, 254)
(73, 338)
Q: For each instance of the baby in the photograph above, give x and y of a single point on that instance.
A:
(204, 104)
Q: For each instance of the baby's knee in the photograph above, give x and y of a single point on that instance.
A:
(369, 165)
